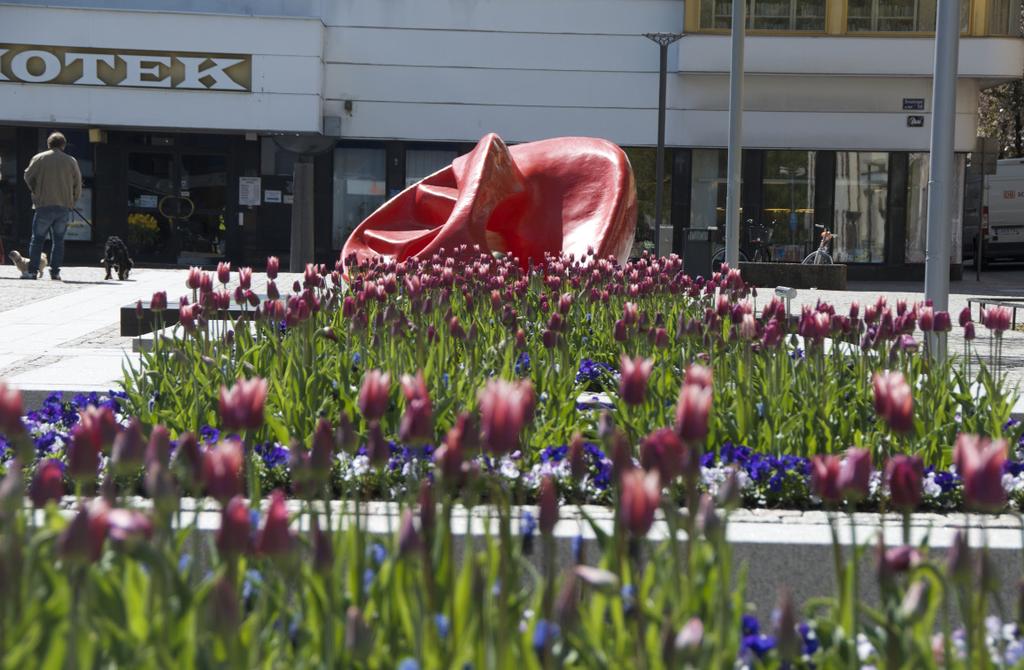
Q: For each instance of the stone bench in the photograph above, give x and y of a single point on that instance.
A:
(796, 275)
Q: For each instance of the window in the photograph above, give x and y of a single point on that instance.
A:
(917, 207)
(1004, 17)
(420, 163)
(788, 213)
(359, 189)
(644, 162)
(897, 16)
(861, 194)
(708, 187)
(788, 15)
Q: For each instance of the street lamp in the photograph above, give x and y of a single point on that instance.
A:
(663, 40)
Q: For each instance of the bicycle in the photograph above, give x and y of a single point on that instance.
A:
(821, 256)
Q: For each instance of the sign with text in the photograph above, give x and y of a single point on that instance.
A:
(913, 104)
(34, 64)
(915, 122)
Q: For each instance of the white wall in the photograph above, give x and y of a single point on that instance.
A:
(287, 73)
(456, 69)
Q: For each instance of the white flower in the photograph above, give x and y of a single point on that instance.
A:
(930, 487)
(360, 465)
(509, 469)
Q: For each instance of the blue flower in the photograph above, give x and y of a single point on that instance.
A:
(758, 644)
(592, 371)
(368, 577)
(209, 434)
(810, 639)
(378, 554)
(553, 454)
(184, 562)
(408, 663)
(577, 549)
(749, 625)
(273, 455)
(443, 626)
(523, 364)
(544, 634)
(529, 525)
(251, 584)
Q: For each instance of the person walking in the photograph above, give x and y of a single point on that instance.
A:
(55, 182)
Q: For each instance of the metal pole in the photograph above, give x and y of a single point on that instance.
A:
(941, 169)
(659, 169)
(732, 207)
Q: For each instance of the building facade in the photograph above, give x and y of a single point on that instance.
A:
(188, 117)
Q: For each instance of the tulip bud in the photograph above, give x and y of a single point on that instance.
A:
(505, 407)
(128, 451)
(323, 449)
(83, 457)
(323, 550)
(634, 374)
(855, 474)
(47, 483)
(825, 479)
(417, 425)
(692, 412)
(786, 636)
(979, 462)
(235, 533)
(222, 471)
(708, 521)
(904, 476)
(893, 401)
(242, 406)
(408, 535)
(373, 395)
(663, 451)
(188, 460)
(969, 333)
(547, 501)
(11, 410)
(958, 560)
(965, 316)
(620, 334)
(81, 541)
(160, 487)
(639, 499)
(688, 641)
(730, 491)
(376, 446)
(577, 457)
(275, 539)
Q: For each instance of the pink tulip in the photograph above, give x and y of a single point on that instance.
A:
(223, 272)
(979, 462)
(505, 408)
(128, 527)
(82, 539)
(547, 503)
(129, 448)
(639, 499)
(158, 303)
(926, 319)
(904, 475)
(47, 483)
(275, 539)
(242, 407)
(222, 471)
(893, 401)
(11, 410)
(663, 451)
(965, 316)
(235, 533)
(634, 374)
(825, 479)
(943, 322)
(855, 474)
(996, 319)
(417, 423)
(373, 395)
(693, 409)
(273, 267)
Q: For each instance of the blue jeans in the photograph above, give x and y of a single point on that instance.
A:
(53, 220)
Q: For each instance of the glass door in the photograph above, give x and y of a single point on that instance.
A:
(201, 226)
(152, 206)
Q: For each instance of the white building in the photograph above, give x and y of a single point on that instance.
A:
(174, 108)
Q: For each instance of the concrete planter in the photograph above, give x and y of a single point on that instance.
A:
(795, 275)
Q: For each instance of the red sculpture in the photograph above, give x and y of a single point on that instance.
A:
(566, 194)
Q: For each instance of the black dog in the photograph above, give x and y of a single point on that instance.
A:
(115, 255)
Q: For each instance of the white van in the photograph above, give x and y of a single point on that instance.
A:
(1004, 211)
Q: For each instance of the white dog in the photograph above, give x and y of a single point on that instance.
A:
(22, 263)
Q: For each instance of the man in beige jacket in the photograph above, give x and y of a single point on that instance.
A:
(55, 181)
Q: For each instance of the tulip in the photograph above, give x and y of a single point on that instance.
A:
(275, 539)
(854, 310)
(549, 339)
(81, 541)
(409, 539)
(83, 457)
(692, 410)
(188, 460)
(505, 408)
(620, 332)
(904, 475)
(855, 474)
(698, 375)
(926, 319)
(996, 319)
(639, 498)
(373, 395)
(158, 303)
(242, 407)
(748, 327)
(730, 491)
(965, 316)
(47, 483)
(896, 560)
(547, 503)
(193, 280)
(223, 272)
(630, 313)
(205, 284)
(969, 333)
(915, 602)
(787, 639)
(943, 322)
(663, 451)
(417, 425)
(128, 527)
(825, 478)
(708, 521)
(634, 373)
(273, 267)
(979, 462)
(187, 317)
(98, 426)
(689, 639)
(158, 450)
(128, 451)
(222, 471)
(235, 534)
(322, 453)
(11, 410)
(893, 401)
(245, 278)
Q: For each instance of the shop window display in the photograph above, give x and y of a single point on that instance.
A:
(359, 188)
(861, 196)
(788, 213)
